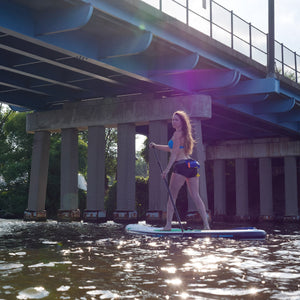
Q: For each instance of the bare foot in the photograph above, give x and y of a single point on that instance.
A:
(167, 228)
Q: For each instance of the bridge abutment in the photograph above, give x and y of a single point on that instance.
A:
(126, 114)
(263, 150)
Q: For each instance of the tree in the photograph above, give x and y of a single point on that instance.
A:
(53, 185)
(15, 164)
(15, 161)
(140, 165)
(111, 153)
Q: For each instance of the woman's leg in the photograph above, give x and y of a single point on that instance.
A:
(193, 188)
(176, 183)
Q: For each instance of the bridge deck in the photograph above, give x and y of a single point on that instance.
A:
(54, 52)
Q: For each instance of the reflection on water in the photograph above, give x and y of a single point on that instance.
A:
(100, 261)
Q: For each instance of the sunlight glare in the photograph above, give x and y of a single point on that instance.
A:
(170, 270)
(184, 295)
(174, 281)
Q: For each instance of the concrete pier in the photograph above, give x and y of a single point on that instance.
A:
(69, 176)
(95, 211)
(38, 177)
(265, 188)
(291, 188)
(158, 194)
(126, 211)
(219, 188)
(241, 183)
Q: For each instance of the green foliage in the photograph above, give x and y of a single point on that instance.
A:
(141, 166)
(82, 153)
(110, 201)
(141, 198)
(53, 185)
(13, 201)
(145, 151)
(111, 152)
(15, 162)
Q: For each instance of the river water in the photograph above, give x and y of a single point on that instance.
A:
(100, 261)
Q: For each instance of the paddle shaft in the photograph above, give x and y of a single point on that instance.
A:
(171, 198)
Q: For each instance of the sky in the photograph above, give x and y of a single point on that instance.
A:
(287, 18)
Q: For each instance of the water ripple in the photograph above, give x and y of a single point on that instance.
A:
(100, 261)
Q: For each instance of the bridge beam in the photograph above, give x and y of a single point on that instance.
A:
(257, 148)
(61, 20)
(199, 80)
(113, 111)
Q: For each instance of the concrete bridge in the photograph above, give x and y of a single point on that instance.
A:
(90, 64)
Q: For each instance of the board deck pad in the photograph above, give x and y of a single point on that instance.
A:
(244, 233)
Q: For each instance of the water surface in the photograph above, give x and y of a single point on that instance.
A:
(100, 261)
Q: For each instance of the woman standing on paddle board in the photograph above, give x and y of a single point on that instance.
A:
(184, 168)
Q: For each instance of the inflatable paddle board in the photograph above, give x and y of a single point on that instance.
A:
(248, 233)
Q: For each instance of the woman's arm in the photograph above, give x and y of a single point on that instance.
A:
(160, 147)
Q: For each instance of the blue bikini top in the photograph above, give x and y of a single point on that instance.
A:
(171, 143)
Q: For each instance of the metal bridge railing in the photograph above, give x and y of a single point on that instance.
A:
(223, 25)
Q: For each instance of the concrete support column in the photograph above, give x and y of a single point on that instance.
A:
(69, 176)
(291, 189)
(96, 175)
(158, 193)
(265, 188)
(126, 210)
(38, 177)
(241, 185)
(219, 188)
(198, 154)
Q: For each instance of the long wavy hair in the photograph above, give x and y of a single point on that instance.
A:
(189, 141)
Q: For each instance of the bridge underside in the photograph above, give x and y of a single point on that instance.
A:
(55, 52)
(60, 58)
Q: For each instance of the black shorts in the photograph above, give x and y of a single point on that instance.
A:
(182, 167)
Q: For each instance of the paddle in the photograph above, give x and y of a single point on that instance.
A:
(167, 185)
